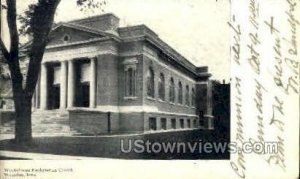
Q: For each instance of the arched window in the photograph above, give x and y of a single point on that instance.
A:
(180, 93)
(161, 87)
(193, 97)
(150, 83)
(187, 95)
(130, 67)
(172, 90)
(130, 82)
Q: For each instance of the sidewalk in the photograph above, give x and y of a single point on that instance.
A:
(40, 156)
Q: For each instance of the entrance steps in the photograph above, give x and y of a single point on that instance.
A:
(45, 122)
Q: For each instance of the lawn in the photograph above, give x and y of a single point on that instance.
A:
(110, 147)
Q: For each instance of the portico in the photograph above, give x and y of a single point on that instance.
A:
(67, 84)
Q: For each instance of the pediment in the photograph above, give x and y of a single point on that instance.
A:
(65, 34)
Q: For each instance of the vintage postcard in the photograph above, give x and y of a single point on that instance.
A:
(149, 89)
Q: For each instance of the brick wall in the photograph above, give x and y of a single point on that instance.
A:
(102, 22)
(131, 122)
(166, 105)
(123, 101)
(107, 80)
(93, 122)
(159, 116)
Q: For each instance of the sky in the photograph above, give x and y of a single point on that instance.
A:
(197, 29)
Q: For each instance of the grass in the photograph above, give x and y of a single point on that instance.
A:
(110, 147)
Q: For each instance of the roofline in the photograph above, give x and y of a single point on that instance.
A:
(148, 35)
(156, 44)
(92, 17)
(159, 41)
(133, 27)
(77, 27)
(82, 42)
(160, 47)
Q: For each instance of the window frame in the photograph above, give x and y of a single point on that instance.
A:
(152, 119)
(187, 95)
(188, 122)
(173, 123)
(180, 93)
(130, 63)
(165, 123)
(150, 81)
(171, 90)
(161, 87)
(130, 82)
(193, 97)
(181, 123)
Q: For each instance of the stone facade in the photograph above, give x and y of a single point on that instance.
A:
(115, 79)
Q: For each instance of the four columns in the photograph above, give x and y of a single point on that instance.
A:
(67, 85)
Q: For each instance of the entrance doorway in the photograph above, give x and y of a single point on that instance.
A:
(82, 83)
(83, 95)
(53, 86)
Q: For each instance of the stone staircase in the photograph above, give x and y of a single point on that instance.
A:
(50, 122)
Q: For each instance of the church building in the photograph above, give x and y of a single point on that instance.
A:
(112, 79)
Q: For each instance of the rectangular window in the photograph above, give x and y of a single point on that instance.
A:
(195, 123)
(173, 123)
(152, 123)
(189, 123)
(163, 123)
(181, 123)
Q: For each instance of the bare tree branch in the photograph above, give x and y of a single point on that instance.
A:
(13, 61)
(13, 29)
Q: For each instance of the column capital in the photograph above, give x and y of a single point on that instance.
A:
(93, 58)
(64, 62)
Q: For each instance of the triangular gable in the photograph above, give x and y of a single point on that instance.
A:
(70, 33)
(75, 33)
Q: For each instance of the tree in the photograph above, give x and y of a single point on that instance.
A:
(36, 22)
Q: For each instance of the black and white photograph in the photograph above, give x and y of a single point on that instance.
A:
(177, 88)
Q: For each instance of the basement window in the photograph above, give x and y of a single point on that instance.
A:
(173, 123)
(163, 123)
(181, 123)
(152, 123)
(189, 123)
